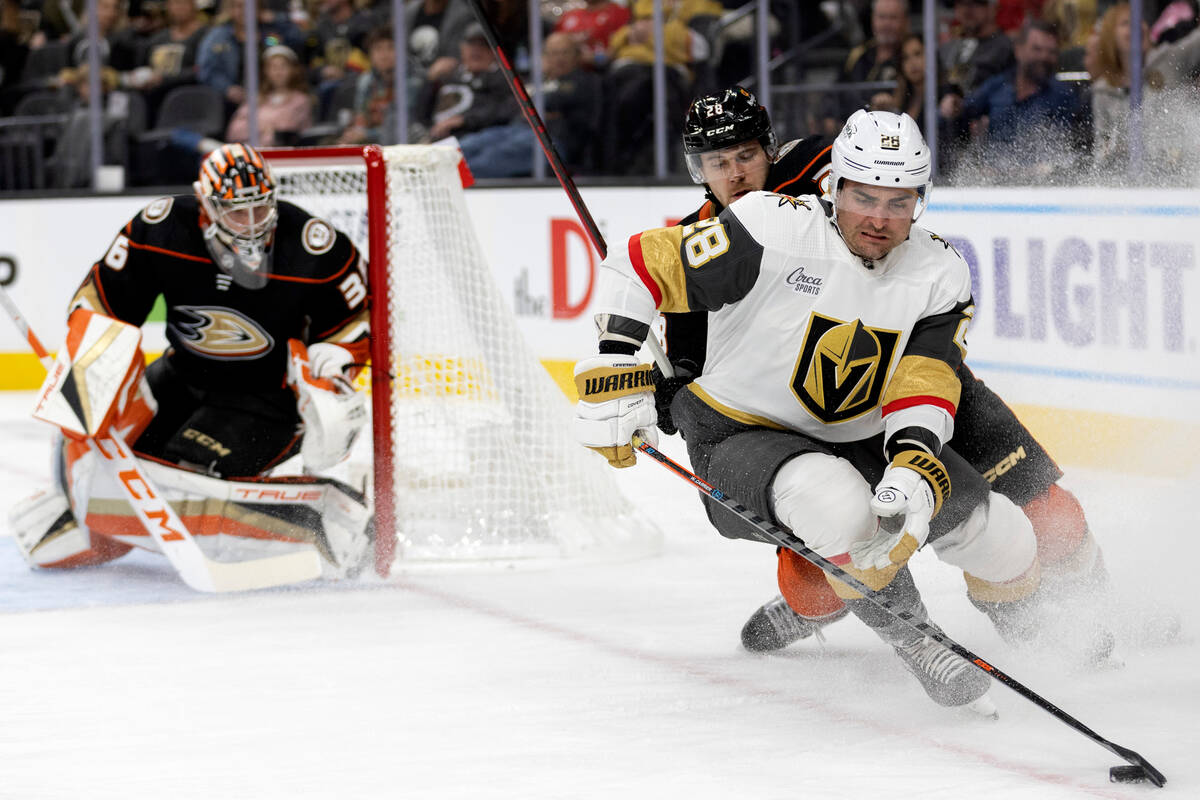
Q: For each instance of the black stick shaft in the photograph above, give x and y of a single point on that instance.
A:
(773, 534)
(539, 128)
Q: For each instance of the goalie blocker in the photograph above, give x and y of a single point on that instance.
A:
(97, 388)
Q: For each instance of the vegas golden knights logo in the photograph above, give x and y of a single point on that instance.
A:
(843, 368)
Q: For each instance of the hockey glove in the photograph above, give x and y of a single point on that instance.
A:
(327, 360)
(909, 495)
(616, 399)
(332, 412)
(666, 388)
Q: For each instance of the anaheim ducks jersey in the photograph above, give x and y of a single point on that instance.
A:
(804, 335)
(223, 336)
(800, 167)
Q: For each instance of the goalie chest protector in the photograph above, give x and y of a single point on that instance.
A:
(224, 336)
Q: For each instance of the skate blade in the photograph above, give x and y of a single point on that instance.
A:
(984, 707)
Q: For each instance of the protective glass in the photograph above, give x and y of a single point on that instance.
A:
(725, 163)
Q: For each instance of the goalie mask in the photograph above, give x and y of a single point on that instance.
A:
(237, 194)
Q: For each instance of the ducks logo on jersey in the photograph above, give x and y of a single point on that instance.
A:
(843, 368)
(221, 333)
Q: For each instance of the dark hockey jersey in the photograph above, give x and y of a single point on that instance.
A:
(800, 167)
(223, 336)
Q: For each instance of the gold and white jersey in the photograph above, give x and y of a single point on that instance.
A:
(803, 334)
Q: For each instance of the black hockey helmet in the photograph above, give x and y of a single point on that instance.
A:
(724, 119)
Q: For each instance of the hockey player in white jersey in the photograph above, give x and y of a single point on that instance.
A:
(830, 387)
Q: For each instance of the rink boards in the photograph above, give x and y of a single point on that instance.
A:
(1088, 300)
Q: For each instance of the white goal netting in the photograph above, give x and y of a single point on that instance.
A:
(481, 464)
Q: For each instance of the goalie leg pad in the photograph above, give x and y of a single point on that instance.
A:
(241, 520)
(48, 536)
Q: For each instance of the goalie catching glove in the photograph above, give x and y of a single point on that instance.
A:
(909, 495)
(616, 400)
(332, 412)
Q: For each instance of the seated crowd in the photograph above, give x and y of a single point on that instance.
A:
(1027, 90)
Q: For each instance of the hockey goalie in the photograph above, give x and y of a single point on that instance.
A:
(266, 323)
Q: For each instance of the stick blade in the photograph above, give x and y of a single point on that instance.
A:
(207, 575)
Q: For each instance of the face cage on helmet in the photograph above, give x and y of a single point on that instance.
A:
(254, 232)
(694, 160)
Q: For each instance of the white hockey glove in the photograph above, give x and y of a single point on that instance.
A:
(616, 400)
(909, 495)
(332, 412)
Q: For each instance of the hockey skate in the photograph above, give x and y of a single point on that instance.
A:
(946, 678)
(774, 626)
(1076, 631)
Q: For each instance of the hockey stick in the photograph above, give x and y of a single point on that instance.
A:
(163, 523)
(768, 532)
(529, 110)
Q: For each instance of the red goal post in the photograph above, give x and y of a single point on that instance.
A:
(473, 460)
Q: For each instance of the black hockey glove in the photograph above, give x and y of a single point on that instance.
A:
(665, 388)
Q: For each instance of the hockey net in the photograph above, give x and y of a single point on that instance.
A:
(473, 457)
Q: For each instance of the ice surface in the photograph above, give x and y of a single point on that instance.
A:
(607, 681)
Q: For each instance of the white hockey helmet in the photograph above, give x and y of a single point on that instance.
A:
(879, 148)
(237, 193)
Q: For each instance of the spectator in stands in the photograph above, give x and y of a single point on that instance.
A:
(572, 109)
(337, 43)
(285, 104)
(1171, 104)
(1011, 15)
(170, 58)
(219, 58)
(343, 20)
(118, 45)
(435, 28)
(14, 46)
(630, 91)
(1074, 20)
(909, 94)
(1177, 20)
(592, 26)
(977, 48)
(475, 96)
(1026, 124)
(1110, 89)
(877, 59)
(374, 118)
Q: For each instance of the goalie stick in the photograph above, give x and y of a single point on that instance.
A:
(1139, 768)
(529, 110)
(163, 523)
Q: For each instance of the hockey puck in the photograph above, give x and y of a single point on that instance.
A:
(1127, 773)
